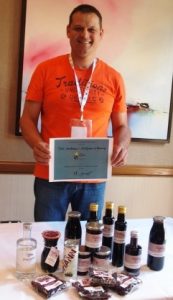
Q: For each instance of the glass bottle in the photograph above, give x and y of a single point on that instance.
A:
(70, 261)
(93, 210)
(156, 245)
(132, 259)
(50, 253)
(119, 238)
(26, 254)
(73, 230)
(108, 229)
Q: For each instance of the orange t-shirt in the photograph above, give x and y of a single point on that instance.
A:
(53, 84)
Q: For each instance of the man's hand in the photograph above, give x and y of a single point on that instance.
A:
(119, 156)
(41, 153)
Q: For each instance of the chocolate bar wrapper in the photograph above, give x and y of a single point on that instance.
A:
(125, 284)
(87, 291)
(48, 285)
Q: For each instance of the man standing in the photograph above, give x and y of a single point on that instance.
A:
(74, 86)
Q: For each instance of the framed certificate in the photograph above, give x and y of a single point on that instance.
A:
(80, 159)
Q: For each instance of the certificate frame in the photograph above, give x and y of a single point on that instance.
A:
(80, 159)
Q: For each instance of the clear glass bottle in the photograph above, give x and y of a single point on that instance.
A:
(26, 254)
(132, 259)
(73, 230)
(156, 245)
(70, 261)
(119, 238)
(108, 229)
(93, 210)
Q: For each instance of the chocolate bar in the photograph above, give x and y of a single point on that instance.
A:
(90, 292)
(48, 285)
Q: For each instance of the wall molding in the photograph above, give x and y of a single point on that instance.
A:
(11, 167)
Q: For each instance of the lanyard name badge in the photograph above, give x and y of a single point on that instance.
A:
(82, 128)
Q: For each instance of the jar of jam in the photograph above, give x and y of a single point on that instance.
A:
(94, 235)
(50, 254)
(84, 261)
(101, 258)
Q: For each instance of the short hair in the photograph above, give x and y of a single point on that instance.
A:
(86, 8)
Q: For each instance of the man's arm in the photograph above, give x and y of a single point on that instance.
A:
(121, 135)
(28, 124)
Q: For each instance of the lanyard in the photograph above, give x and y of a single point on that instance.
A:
(82, 100)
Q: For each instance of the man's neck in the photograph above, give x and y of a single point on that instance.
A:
(82, 63)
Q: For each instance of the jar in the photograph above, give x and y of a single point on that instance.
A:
(94, 234)
(101, 258)
(84, 261)
(50, 254)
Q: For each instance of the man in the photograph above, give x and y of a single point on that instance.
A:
(76, 86)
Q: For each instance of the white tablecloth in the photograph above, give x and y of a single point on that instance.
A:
(156, 284)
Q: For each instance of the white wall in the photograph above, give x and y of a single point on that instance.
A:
(143, 196)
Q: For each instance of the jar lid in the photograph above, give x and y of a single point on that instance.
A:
(104, 250)
(51, 234)
(82, 250)
(94, 226)
(74, 214)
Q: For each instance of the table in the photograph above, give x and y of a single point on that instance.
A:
(155, 286)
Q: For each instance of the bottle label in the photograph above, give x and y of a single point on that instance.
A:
(132, 261)
(83, 264)
(52, 257)
(108, 230)
(101, 262)
(156, 250)
(93, 240)
(26, 259)
(119, 236)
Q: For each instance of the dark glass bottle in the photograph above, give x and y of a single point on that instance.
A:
(119, 238)
(108, 222)
(156, 245)
(73, 230)
(132, 259)
(50, 254)
(93, 210)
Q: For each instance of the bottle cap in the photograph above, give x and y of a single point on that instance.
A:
(93, 207)
(74, 214)
(158, 219)
(122, 209)
(109, 205)
(134, 233)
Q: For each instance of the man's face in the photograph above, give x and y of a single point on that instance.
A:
(84, 34)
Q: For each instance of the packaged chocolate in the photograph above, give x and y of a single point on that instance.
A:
(102, 278)
(48, 285)
(125, 284)
(90, 292)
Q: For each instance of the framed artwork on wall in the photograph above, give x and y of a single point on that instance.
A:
(137, 42)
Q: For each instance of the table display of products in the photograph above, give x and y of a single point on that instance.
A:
(107, 284)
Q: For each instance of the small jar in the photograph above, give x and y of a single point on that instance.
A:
(94, 234)
(50, 254)
(101, 258)
(84, 261)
